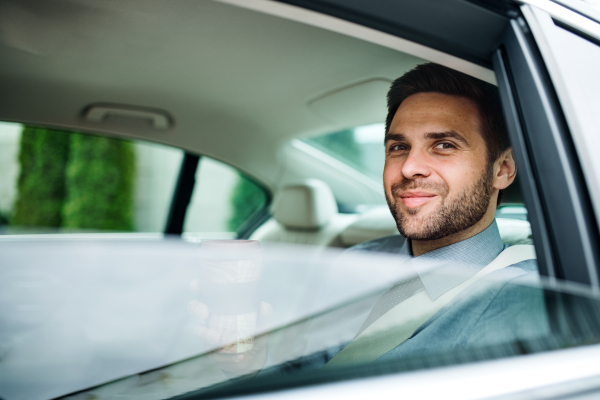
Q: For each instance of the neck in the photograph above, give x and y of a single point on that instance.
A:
(420, 247)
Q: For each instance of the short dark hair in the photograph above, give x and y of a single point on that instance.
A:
(435, 78)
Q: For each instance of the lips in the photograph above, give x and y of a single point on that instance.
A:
(416, 198)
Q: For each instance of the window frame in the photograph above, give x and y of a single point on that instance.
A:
(562, 215)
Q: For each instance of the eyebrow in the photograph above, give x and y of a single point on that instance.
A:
(430, 135)
(394, 136)
(446, 135)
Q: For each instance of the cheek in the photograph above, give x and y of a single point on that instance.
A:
(459, 179)
(392, 173)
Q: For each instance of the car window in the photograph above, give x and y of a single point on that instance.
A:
(74, 182)
(9, 150)
(222, 201)
(58, 181)
(145, 335)
(360, 147)
(316, 302)
(109, 319)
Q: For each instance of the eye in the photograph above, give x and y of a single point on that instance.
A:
(444, 146)
(398, 147)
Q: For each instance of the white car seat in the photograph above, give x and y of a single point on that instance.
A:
(305, 212)
(372, 224)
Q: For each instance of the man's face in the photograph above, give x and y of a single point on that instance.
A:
(436, 178)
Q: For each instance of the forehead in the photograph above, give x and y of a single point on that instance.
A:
(437, 112)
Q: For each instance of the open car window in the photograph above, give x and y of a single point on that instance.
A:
(359, 147)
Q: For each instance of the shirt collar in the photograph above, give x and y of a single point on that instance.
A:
(442, 269)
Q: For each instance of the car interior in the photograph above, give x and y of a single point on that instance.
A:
(263, 120)
(250, 94)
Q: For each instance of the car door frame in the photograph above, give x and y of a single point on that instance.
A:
(564, 225)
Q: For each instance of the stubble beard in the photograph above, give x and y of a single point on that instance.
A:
(452, 216)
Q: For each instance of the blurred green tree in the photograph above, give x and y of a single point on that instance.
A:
(99, 184)
(4, 218)
(246, 198)
(43, 157)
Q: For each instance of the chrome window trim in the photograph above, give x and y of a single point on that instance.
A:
(567, 16)
(586, 155)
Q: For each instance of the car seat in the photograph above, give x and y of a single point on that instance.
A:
(305, 212)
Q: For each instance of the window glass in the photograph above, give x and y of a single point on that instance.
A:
(222, 201)
(55, 181)
(313, 307)
(58, 181)
(9, 167)
(157, 170)
(360, 147)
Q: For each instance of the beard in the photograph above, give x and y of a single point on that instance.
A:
(452, 216)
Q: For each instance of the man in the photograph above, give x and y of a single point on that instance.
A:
(447, 160)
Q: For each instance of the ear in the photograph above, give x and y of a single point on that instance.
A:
(505, 170)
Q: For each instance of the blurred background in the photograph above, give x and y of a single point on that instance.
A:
(59, 181)
(54, 180)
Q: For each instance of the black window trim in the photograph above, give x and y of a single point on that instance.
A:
(184, 188)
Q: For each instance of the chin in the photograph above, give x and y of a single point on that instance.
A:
(412, 227)
(418, 227)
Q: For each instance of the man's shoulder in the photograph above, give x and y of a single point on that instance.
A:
(387, 244)
(527, 267)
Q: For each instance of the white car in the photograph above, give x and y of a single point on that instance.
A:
(262, 120)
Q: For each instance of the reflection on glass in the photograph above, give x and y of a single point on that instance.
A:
(129, 320)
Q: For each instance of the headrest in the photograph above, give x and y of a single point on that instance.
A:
(373, 224)
(306, 204)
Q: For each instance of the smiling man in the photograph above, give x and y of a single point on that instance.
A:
(447, 156)
(447, 160)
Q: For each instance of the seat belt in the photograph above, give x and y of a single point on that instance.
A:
(401, 322)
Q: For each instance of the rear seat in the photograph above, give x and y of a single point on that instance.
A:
(305, 212)
(372, 224)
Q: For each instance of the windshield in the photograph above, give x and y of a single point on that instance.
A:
(156, 319)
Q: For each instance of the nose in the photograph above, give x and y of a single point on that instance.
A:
(415, 166)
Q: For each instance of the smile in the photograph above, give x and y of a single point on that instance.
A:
(416, 199)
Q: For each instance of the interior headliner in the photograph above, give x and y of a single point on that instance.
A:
(236, 82)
